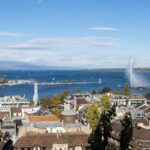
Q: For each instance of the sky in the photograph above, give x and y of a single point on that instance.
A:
(75, 33)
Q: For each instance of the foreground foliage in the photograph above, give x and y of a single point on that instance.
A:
(92, 116)
(99, 137)
(126, 132)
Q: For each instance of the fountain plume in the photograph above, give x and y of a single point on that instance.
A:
(135, 79)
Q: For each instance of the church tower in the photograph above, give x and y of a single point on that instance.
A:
(36, 97)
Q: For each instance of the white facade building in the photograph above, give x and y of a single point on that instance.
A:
(7, 102)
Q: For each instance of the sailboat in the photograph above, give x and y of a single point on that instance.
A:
(100, 81)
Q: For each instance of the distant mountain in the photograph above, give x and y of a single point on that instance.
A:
(120, 69)
(15, 65)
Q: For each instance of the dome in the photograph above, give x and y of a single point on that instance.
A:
(69, 112)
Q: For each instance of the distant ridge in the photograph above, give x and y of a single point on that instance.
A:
(16, 65)
(120, 69)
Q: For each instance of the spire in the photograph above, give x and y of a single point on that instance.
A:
(35, 97)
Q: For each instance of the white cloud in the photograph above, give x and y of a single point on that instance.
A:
(64, 42)
(75, 59)
(78, 52)
(9, 34)
(22, 47)
(76, 41)
(104, 29)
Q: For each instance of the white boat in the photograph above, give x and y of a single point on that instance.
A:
(100, 81)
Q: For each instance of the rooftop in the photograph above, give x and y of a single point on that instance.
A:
(69, 112)
(143, 107)
(45, 118)
(139, 134)
(2, 115)
(46, 140)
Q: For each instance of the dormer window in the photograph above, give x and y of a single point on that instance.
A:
(36, 148)
(78, 148)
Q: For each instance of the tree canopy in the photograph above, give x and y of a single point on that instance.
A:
(106, 90)
(99, 137)
(46, 103)
(126, 132)
(55, 101)
(63, 96)
(93, 92)
(92, 116)
(105, 102)
(126, 89)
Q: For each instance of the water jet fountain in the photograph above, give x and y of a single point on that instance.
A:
(136, 80)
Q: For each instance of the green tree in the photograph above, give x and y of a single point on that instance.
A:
(126, 132)
(106, 90)
(73, 81)
(117, 92)
(105, 102)
(46, 103)
(92, 116)
(126, 89)
(63, 96)
(95, 138)
(55, 101)
(66, 81)
(106, 118)
(98, 139)
(93, 92)
(57, 113)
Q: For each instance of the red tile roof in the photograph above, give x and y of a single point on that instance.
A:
(45, 118)
(2, 115)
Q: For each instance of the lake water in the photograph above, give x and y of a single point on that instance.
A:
(114, 80)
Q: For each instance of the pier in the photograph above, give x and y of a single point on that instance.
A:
(31, 82)
(64, 83)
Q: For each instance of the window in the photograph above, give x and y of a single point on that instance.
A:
(19, 114)
(78, 148)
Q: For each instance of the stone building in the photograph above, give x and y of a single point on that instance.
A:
(59, 141)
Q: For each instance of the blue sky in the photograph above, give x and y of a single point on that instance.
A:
(75, 33)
